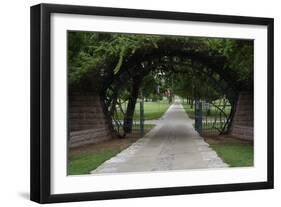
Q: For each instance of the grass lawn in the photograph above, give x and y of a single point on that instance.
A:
(213, 111)
(86, 162)
(152, 110)
(190, 111)
(234, 152)
(83, 160)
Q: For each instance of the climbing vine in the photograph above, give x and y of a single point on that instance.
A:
(116, 65)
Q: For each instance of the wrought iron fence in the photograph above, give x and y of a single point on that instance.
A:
(212, 118)
(138, 125)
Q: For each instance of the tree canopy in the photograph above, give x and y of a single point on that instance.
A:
(119, 66)
(106, 54)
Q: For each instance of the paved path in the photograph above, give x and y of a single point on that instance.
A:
(172, 145)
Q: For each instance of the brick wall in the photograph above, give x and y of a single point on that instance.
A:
(87, 122)
(243, 122)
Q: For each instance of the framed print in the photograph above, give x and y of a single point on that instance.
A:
(133, 103)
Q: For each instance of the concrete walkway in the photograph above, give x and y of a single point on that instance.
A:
(172, 145)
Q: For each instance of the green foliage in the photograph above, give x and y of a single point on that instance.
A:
(92, 52)
(239, 54)
(152, 110)
(120, 61)
(89, 51)
(195, 86)
(149, 86)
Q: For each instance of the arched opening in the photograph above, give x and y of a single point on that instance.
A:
(184, 56)
(169, 59)
(113, 73)
(123, 62)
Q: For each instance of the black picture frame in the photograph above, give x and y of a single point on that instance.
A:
(40, 102)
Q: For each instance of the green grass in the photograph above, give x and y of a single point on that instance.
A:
(146, 126)
(212, 113)
(86, 162)
(211, 125)
(190, 111)
(234, 154)
(152, 110)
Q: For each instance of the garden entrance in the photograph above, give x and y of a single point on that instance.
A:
(124, 85)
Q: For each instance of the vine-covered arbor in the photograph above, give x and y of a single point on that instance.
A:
(114, 66)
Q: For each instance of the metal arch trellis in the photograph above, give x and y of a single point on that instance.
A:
(116, 118)
(221, 120)
(114, 104)
(215, 123)
(114, 108)
(220, 108)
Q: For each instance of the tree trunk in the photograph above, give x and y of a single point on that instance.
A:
(191, 103)
(128, 119)
(170, 99)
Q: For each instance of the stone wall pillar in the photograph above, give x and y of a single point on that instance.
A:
(87, 121)
(243, 121)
